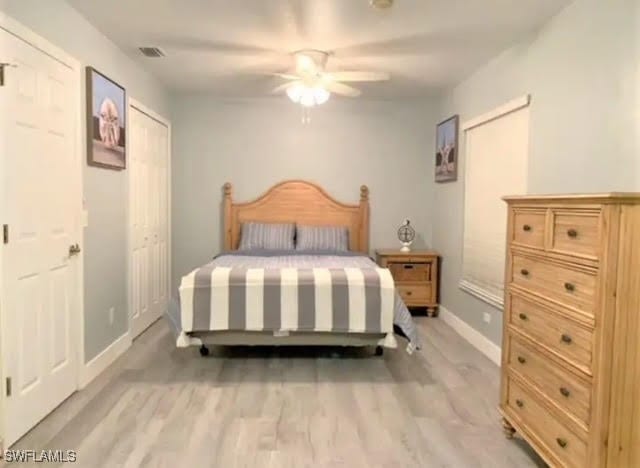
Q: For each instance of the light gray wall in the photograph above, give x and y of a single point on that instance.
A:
(581, 70)
(104, 190)
(257, 143)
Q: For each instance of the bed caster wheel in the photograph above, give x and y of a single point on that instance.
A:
(204, 351)
(379, 350)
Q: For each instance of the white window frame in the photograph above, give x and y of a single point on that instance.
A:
(509, 107)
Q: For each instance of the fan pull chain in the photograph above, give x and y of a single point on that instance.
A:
(306, 118)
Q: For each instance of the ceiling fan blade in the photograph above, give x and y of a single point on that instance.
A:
(286, 76)
(358, 76)
(213, 46)
(341, 89)
(283, 87)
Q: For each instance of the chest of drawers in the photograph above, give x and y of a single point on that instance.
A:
(571, 343)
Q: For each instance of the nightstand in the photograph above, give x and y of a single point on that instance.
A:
(415, 274)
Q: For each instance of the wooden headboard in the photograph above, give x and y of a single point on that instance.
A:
(297, 201)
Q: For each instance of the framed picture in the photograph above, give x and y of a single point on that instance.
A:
(447, 150)
(106, 122)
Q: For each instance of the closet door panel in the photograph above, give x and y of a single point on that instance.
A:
(149, 218)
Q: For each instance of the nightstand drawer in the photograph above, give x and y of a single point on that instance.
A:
(410, 271)
(415, 293)
(415, 274)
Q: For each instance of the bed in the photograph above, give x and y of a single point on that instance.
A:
(292, 297)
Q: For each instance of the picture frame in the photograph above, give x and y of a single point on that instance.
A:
(106, 121)
(446, 160)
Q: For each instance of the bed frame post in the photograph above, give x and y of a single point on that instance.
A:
(364, 219)
(228, 224)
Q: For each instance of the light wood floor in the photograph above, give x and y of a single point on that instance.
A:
(162, 406)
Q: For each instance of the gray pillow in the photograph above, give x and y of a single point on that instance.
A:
(334, 238)
(266, 236)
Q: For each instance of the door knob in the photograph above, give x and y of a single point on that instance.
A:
(74, 250)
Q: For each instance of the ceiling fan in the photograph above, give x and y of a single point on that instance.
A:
(309, 84)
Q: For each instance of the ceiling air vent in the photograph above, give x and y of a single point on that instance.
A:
(151, 52)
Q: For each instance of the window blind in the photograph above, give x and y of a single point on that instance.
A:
(496, 165)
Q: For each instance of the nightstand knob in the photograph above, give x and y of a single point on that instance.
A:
(526, 228)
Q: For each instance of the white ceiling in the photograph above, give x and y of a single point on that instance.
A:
(224, 46)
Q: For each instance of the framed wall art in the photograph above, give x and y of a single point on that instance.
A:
(447, 150)
(106, 122)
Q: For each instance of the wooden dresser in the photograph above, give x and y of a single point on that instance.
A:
(571, 344)
(415, 274)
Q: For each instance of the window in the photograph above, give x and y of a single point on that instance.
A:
(496, 160)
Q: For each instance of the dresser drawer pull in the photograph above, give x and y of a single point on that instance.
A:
(566, 339)
(408, 293)
(569, 287)
(572, 233)
(522, 316)
(407, 267)
(561, 442)
(524, 272)
(520, 403)
(521, 360)
(565, 392)
(526, 227)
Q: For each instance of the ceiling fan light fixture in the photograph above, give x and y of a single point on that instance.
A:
(321, 95)
(295, 92)
(308, 96)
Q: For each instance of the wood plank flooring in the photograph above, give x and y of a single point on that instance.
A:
(159, 406)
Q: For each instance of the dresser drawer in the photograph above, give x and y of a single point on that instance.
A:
(418, 293)
(569, 340)
(566, 446)
(576, 233)
(410, 271)
(529, 227)
(573, 288)
(570, 393)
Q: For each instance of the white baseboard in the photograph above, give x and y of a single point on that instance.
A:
(98, 364)
(473, 336)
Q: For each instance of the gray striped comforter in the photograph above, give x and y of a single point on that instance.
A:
(291, 291)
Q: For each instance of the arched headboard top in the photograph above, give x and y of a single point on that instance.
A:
(301, 202)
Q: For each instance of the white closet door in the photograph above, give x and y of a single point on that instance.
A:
(162, 238)
(40, 187)
(148, 191)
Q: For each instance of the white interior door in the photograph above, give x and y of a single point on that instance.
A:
(149, 218)
(41, 204)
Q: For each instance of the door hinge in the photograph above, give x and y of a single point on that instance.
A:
(5, 233)
(8, 386)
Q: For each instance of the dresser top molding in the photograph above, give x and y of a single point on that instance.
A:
(597, 198)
